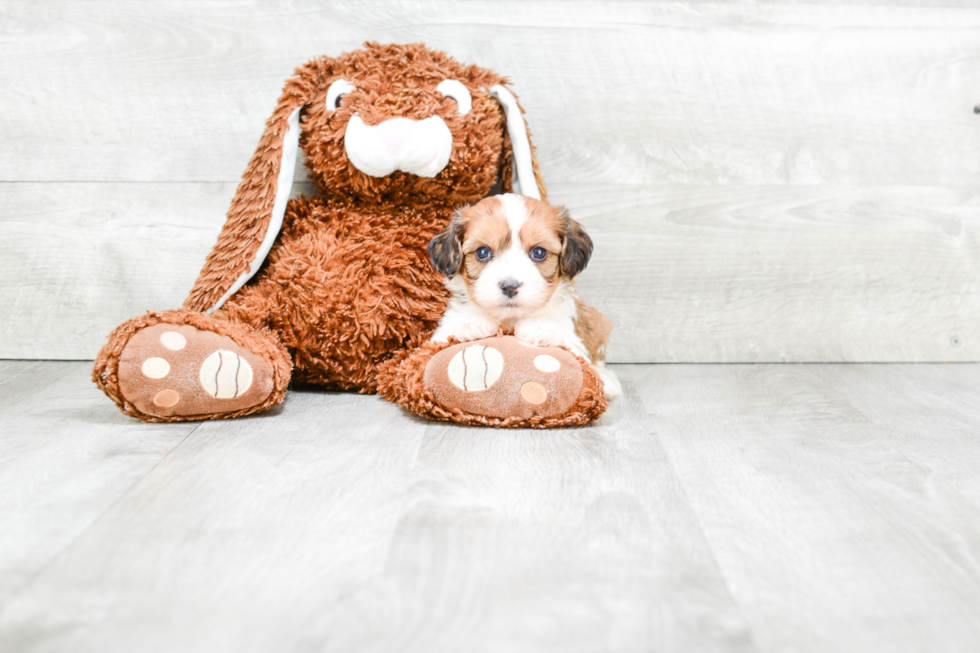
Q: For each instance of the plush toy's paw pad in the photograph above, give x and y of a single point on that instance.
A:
(170, 370)
(475, 367)
(504, 378)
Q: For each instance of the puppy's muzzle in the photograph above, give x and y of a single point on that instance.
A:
(509, 287)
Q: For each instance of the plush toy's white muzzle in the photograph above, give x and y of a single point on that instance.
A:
(418, 147)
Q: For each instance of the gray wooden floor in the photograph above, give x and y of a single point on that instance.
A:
(714, 508)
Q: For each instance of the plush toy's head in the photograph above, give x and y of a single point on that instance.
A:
(388, 125)
(400, 123)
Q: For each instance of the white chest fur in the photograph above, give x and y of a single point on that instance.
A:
(551, 325)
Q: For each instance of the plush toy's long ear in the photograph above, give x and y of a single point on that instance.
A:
(257, 209)
(527, 178)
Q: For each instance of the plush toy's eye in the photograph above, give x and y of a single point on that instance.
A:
(538, 254)
(455, 90)
(337, 90)
(483, 254)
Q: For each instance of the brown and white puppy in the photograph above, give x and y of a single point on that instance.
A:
(511, 261)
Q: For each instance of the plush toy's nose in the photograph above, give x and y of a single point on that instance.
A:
(418, 147)
(395, 132)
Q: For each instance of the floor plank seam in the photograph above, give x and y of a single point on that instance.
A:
(749, 628)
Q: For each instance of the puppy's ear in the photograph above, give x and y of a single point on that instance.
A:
(257, 209)
(446, 249)
(576, 247)
(526, 178)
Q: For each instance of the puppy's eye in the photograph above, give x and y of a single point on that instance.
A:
(483, 254)
(336, 93)
(455, 90)
(538, 254)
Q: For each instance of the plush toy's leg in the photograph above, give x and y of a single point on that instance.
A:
(183, 365)
(495, 382)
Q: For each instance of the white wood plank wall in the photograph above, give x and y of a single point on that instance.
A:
(764, 182)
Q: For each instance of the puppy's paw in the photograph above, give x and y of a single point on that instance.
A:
(477, 329)
(610, 383)
(539, 333)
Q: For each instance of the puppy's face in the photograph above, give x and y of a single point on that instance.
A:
(511, 251)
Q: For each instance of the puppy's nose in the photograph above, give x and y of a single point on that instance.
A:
(509, 287)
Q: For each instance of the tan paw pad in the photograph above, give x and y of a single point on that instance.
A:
(501, 377)
(170, 370)
(166, 399)
(534, 393)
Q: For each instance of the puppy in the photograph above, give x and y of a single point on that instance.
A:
(510, 261)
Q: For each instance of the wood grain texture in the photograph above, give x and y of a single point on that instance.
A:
(786, 274)
(841, 502)
(620, 92)
(64, 461)
(766, 181)
(343, 523)
(563, 540)
(723, 274)
(79, 259)
(812, 508)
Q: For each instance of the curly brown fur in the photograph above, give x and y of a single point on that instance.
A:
(392, 81)
(347, 284)
(342, 300)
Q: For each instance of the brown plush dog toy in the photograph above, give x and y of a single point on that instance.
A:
(337, 289)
